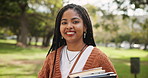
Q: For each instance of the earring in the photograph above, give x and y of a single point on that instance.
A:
(62, 37)
(84, 34)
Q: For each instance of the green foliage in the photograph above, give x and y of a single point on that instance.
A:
(139, 4)
(123, 37)
(115, 25)
(92, 11)
(97, 25)
(9, 12)
(23, 18)
(9, 7)
(144, 33)
(124, 16)
(125, 5)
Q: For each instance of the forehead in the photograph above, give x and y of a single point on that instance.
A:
(70, 13)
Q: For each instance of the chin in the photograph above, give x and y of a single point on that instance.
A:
(70, 40)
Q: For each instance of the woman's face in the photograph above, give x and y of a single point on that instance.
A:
(72, 26)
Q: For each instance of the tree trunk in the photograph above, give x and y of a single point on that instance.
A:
(47, 39)
(131, 45)
(17, 40)
(36, 40)
(23, 22)
(145, 46)
(43, 42)
(30, 39)
(24, 32)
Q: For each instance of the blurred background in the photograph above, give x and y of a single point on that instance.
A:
(26, 32)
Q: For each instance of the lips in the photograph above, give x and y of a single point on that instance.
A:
(70, 33)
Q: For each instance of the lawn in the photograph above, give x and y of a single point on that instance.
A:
(121, 61)
(17, 62)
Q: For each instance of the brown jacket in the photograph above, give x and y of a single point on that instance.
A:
(96, 59)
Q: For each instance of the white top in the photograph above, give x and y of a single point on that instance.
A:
(65, 66)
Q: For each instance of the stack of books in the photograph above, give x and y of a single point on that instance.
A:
(93, 73)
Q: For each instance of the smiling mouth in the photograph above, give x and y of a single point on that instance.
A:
(70, 33)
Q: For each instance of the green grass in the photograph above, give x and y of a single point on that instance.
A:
(121, 61)
(17, 62)
(8, 41)
(125, 53)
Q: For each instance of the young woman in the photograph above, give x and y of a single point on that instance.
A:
(73, 48)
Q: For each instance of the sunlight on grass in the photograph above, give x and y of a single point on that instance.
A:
(125, 53)
(14, 42)
(39, 43)
(8, 41)
(17, 62)
(121, 60)
(123, 69)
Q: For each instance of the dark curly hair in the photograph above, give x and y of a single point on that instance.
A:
(58, 41)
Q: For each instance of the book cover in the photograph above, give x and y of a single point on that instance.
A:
(101, 75)
(87, 72)
(93, 73)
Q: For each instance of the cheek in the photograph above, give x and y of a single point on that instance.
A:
(81, 28)
(61, 30)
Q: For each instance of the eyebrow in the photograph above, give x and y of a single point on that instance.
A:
(63, 19)
(75, 18)
(71, 19)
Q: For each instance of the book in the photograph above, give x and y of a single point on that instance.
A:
(87, 72)
(102, 75)
(93, 73)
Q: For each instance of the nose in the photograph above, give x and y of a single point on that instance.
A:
(69, 26)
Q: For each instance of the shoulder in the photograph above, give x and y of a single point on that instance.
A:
(97, 51)
(98, 54)
(96, 58)
(52, 54)
(101, 59)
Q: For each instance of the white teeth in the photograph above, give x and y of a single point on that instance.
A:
(70, 32)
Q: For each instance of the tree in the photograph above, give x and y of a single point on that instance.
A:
(125, 5)
(53, 7)
(23, 5)
(9, 16)
(25, 19)
(11, 11)
(92, 10)
(44, 20)
(144, 33)
(110, 24)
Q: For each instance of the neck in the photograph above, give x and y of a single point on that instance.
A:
(75, 46)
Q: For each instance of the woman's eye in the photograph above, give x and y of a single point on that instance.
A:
(63, 23)
(75, 22)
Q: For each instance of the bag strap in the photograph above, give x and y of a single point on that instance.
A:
(78, 58)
